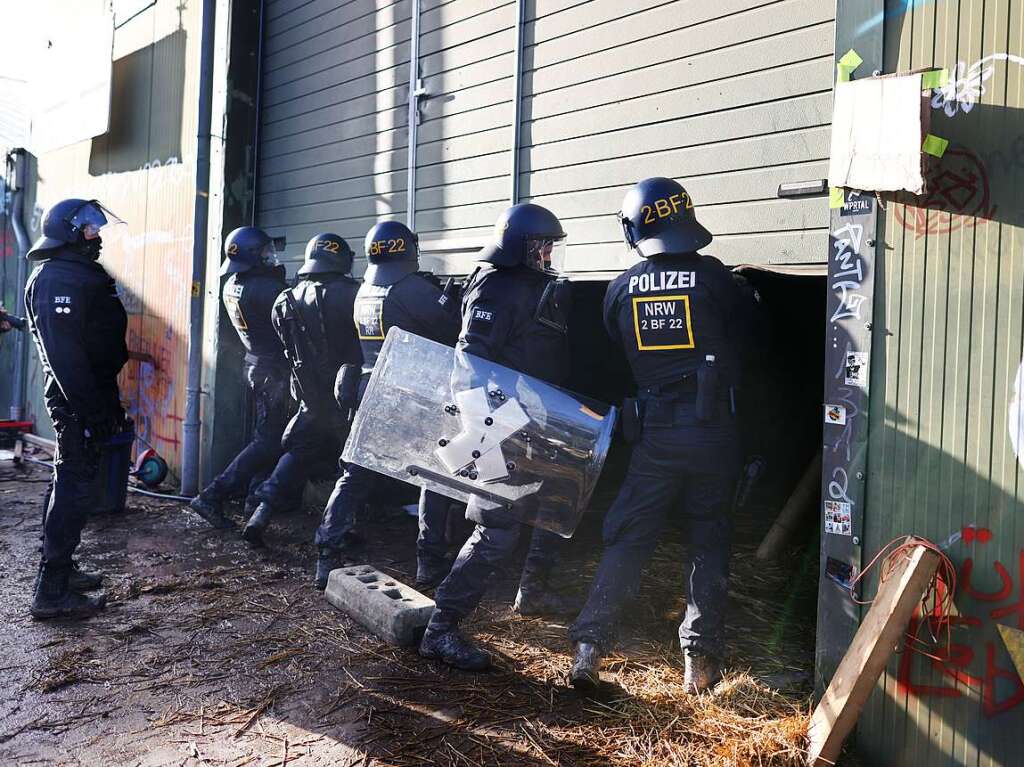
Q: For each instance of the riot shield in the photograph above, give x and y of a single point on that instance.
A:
(461, 425)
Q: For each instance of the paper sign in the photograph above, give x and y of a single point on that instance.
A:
(835, 414)
(837, 518)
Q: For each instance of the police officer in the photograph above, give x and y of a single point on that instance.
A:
(314, 322)
(394, 293)
(78, 324)
(255, 281)
(511, 315)
(681, 319)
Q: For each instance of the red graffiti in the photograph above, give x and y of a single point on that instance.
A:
(1001, 688)
(958, 195)
(979, 534)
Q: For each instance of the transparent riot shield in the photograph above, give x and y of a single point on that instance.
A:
(461, 425)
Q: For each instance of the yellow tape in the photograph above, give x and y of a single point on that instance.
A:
(937, 78)
(851, 59)
(934, 145)
(836, 197)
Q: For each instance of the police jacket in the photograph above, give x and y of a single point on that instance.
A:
(248, 298)
(79, 326)
(414, 304)
(670, 312)
(314, 322)
(503, 321)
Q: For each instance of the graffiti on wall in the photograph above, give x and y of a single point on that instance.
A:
(958, 196)
(966, 85)
(973, 664)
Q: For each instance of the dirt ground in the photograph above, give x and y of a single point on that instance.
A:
(210, 653)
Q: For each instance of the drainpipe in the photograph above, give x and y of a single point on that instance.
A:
(517, 103)
(259, 110)
(416, 92)
(18, 223)
(194, 386)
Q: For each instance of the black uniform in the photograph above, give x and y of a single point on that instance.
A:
(413, 304)
(79, 326)
(314, 323)
(670, 313)
(248, 299)
(499, 323)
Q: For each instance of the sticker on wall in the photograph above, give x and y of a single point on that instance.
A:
(835, 414)
(840, 572)
(838, 518)
(857, 203)
(856, 369)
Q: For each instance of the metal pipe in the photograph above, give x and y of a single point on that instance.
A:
(24, 243)
(517, 103)
(413, 115)
(259, 109)
(194, 387)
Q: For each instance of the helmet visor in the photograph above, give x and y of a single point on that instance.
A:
(91, 217)
(269, 255)
(546, 254)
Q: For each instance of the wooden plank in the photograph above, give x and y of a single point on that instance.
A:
(873, 645)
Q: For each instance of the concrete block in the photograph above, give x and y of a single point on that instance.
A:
(393, 611)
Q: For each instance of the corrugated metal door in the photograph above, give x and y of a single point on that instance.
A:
(334, 138)
(945, 412)
(464, 144)
(731, 97)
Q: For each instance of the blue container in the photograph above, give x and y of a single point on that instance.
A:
(110, 488)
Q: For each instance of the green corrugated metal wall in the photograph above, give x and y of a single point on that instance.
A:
(948, 342)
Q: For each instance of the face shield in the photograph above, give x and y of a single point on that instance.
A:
(268, 256)
(546, 254)
(91, 218)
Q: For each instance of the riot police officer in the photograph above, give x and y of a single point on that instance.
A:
(314, 322)
(681, 319)
(511, 315)
(255, 280)
(78, 324)
(394, 293)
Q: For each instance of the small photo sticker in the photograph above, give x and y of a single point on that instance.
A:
(838, 518)
(835, 414)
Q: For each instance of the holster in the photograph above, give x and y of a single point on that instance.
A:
(346, 388)
(632, 419)
(707, 393)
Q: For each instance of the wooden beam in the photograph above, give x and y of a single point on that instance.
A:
(876, 640)
(800, 503)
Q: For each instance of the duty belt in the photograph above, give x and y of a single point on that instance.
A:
(255, 359)
(683, 388)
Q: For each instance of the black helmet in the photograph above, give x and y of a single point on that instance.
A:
(245, 248)
(657, 217)
(527, 234)
(327, 253)
(72, 222)
(393, 252)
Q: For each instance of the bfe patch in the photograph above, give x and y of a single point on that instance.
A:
(369, 315)
(662, 323)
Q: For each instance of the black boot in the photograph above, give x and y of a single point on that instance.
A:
(430, 571)
(257, 524)
(83, 580)
(53, 598)
(444, 642)
(326, 561)
(585, 674)
(211, 511)
(538, 596)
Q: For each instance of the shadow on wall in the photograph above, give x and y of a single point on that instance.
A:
(975, 180)
(147, 92)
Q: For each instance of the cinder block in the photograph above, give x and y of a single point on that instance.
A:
(390, 609)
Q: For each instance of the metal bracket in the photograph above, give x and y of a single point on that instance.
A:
(418, 96)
